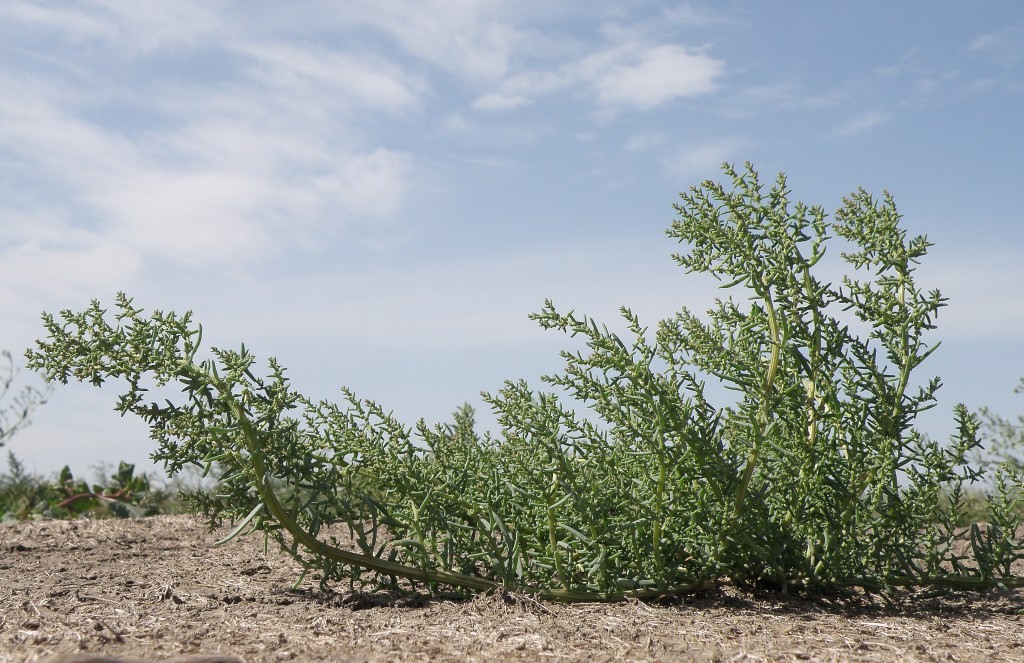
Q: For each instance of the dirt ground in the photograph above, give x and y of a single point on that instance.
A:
(155, 589)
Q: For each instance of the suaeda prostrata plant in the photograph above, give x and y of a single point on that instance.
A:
(812, 478)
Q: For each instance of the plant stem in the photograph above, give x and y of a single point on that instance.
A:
(763, 414)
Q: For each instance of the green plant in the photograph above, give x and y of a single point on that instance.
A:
(1005, 437)
(124, 494)
(16, 415)
(21, 493)
(812, 478)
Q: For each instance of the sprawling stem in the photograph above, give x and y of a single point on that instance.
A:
(323, 549)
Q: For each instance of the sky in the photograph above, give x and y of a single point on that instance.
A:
(378, 193)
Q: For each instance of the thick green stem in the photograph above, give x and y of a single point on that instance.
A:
(282, 516)
(763, 415)
(659, 495)
(815, 357)
(553, 532)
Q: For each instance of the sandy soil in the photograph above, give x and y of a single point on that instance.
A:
(154, 589)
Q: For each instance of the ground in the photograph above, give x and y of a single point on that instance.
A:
(155, 589)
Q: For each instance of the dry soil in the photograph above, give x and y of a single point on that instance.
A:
(155, 589)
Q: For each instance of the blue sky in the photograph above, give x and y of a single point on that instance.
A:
(378, 193)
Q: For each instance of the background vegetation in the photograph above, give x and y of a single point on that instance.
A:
(15, 410)
(25, 495)
(121, 494)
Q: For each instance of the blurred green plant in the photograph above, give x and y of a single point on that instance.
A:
(25, 496)
(20, 492)
(1004, 437)
(124, 495)
(15, 416)
(814, 478)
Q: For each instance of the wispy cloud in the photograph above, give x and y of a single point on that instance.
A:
(861, 123)
(330, 76)
(639, 76)
(135, 26)
(645, 140)
(1001, 55)
(499, 101)
(472, 39)
(785, 95)
(1003, 45)
(486, 299)
(686, 15)
(75, 24)
(218, 173)
(522, 89)
(46, 260)
(985, 300)
(701, 161)
(111, 180)
(656, 75)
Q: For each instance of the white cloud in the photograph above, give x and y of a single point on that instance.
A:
(1001, 54)
(657, 75)
(486, 300)
(633, 75)
(74, 24)
(151, 24)
(331, 77)
(497, 101)
(696, 162)
(862, 123)
(687, 16)
(204, 192)
(985, 299)
(1003, 45)
(370, 185)
(188, 217)
(35, 127)
(473, 39)
(133, 25)
(521, 89)
(217, 169)
(48, 262)
(984, 42)
(787, 95)
(645, 141)
(50, 269)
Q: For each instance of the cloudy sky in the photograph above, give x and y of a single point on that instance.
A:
(378, 193)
